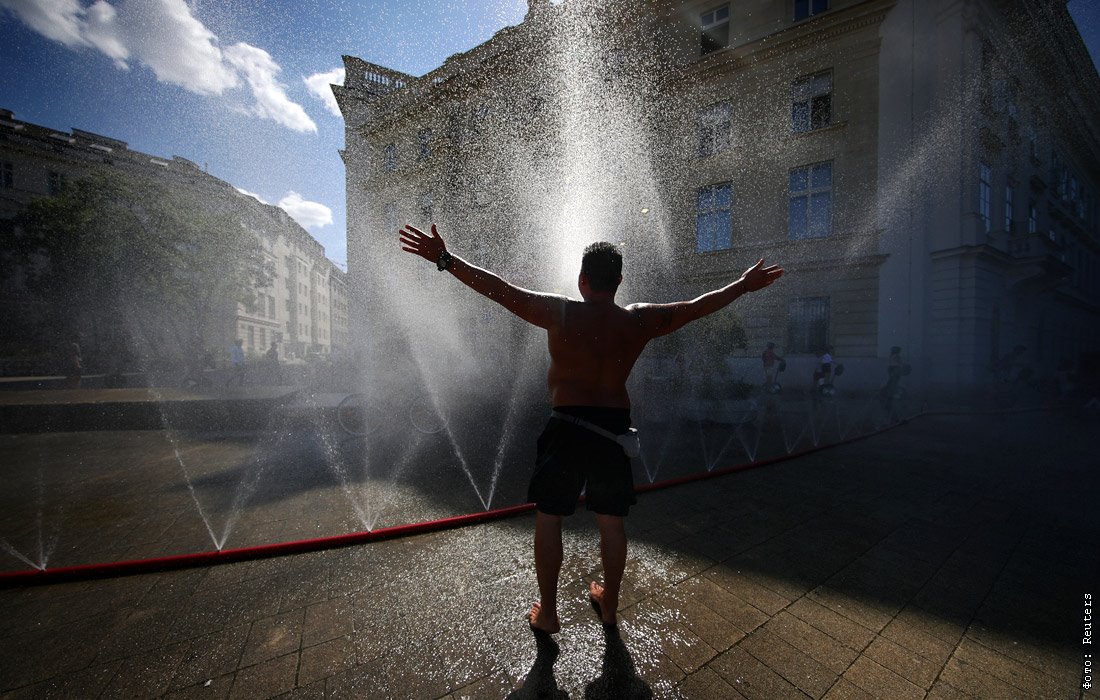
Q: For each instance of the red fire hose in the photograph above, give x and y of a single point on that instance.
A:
(30, 577)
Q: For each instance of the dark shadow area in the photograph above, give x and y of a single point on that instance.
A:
(539, 681)
(618, 680)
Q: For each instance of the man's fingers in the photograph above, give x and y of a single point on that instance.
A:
(435, 233)
(414, 229)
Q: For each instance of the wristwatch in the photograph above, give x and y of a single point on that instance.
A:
(444, 261)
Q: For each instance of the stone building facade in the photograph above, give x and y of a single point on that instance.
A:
(303, 310)
(927, 172)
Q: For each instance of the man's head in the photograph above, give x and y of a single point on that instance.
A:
(601, 267)
(771, 346)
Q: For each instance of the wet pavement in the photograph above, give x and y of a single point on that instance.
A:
(947, 557)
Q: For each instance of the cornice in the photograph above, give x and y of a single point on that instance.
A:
(807, 34)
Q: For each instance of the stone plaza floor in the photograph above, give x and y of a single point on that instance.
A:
(947, 557)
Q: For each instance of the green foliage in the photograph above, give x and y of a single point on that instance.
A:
(116, 259)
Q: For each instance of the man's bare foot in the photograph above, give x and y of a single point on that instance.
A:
(595, 596)
(542, 622)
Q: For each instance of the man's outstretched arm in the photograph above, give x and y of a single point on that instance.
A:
(542, 310)
(662, 319)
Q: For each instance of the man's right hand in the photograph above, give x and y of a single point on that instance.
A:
(415, 241)
(758, 276)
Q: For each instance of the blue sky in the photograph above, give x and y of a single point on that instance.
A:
(223, 82)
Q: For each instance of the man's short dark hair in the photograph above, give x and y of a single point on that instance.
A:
(602, 264)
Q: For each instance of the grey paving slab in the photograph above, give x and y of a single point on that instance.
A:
(945, 558)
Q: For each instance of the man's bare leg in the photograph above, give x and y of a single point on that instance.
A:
(548, 556)
(613, 556)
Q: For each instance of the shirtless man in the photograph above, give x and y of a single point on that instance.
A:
(593, 346)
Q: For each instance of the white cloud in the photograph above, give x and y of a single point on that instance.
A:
(308, 214)
(318, 85)
(252, 194)
(165, 36)
(259, 71)
(59, 20)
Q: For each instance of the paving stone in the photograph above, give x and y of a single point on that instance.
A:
(148, 674)
(211, 689)
(685, 649)
(272, 637)
(869, 613)
(909, 633)
(268, 679)
(326, 659)
(761, 598)
(846, 690)
(211, 656)
(943, 690)
(837, 626)
(975, 681)
(1027, 679)
(752, 678)
(712, 628)
(802, 672)
(328, 620)
(908, 664)
(812, 642)
(705, 684)
(881, 681)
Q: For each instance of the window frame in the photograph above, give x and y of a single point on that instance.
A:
(815, 339)
(708, 41)
(714, 126)
(804, 124)
(985, 196)
(810, 10)
(701, 214)
(808, 193)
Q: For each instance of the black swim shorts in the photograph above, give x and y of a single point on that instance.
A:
(571, 458)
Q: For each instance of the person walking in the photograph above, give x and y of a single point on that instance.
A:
(236, 361)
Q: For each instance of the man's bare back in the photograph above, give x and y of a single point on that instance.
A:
(592, 351)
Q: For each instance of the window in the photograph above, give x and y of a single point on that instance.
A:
(263, 338)
(7, 175)
(810, 208)
(251, 337)
(389, 216)
(985, 177)
(716, 30)
(55, 184)
(1008, 208)
(389, 158)
(712, 220)
(1032, 219)
(809, 8)
(427, 206)
(714, 129)
(271, 307)
(425, 138)
(812, 102)
(808, 325)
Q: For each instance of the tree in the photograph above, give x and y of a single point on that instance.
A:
(121, 260)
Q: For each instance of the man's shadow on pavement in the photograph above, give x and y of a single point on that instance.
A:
(617, 680)
(540, 681)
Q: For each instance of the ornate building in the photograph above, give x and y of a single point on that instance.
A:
(303, 309)
(927, 172)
